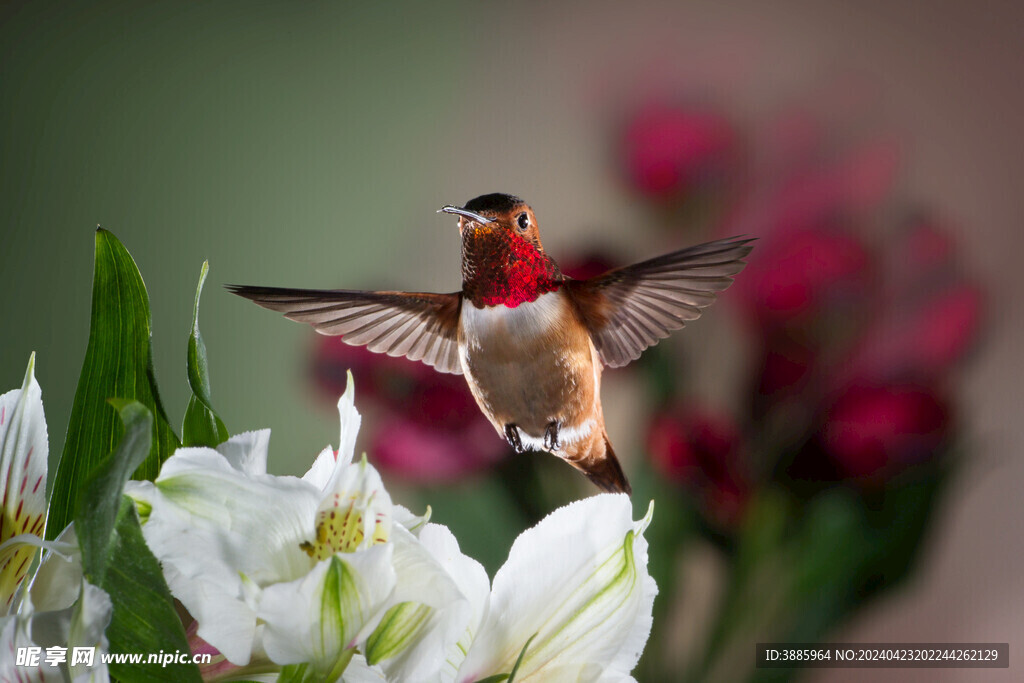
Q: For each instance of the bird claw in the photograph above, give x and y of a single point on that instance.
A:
(512, 436)
(551, 442)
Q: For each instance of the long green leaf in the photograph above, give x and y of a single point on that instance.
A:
(115, 558)
(201, 426)
(144, 619)
(101, 494)
(118, 363)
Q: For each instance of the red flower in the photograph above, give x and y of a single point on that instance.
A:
(786, 368)
(920, 340)
(669, 151)
(703, 452)
(799, 273)
(928, 315)
(946, 326)
(870, 430)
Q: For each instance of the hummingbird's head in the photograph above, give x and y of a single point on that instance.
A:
(503, 261)
(498, 211)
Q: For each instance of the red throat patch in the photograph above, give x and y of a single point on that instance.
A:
(502, 268)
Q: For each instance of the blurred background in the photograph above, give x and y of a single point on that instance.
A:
(847, 416)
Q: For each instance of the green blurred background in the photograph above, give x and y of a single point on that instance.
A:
(293, 144)
(309, 144)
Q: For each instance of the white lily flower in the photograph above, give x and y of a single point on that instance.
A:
(79, 625)
(578, 584)
(297, 570)
(23, 454)
(61, 609)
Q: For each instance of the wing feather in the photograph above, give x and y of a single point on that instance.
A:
(629, 309)
(417, 325)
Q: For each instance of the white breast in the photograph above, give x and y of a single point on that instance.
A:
(511, 326)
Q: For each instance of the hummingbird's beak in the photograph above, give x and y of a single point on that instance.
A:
(467, 214)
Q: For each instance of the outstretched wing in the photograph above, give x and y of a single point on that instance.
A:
(631, 308)
(418, 325)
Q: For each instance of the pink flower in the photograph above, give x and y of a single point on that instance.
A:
(669, 151)
(875, 430)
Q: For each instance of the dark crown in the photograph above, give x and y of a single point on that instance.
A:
(496, 202)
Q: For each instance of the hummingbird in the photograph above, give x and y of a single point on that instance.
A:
(530, 341)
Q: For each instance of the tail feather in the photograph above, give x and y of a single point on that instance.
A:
(597, 460)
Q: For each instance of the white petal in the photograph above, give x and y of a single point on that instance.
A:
(581, 672)
(472, 581)
(82, 625)
(247, 451)
(317, 618)
(23, 453)
(579, 581)
(414, 523)
(427, 613)
(329, 463)
(350, 421)
(15, 633)
(358, 671)
(89, 623)
(25, 547)
(253, 524)
(58, 581)
(320, 473)
(221, 533)
(220, 603)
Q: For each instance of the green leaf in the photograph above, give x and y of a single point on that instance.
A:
(144, 618)
(854, 546)
(201, 426)
(118, 363)
(519, 660)
(900, 523)
(101, 495)
(115, 557)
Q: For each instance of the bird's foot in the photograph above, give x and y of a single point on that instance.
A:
(551, 442)
(512, 436)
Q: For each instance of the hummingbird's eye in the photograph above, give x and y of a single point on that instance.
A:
(523, 221)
